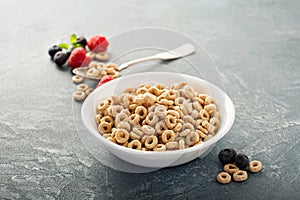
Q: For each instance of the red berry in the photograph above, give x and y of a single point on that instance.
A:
(78, 58)
(105, 80)
(98, 43)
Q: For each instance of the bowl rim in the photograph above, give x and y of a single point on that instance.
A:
(207, 143)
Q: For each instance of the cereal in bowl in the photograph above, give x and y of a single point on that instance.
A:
(158, 118)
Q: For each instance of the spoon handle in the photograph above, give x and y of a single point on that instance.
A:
(127, 64)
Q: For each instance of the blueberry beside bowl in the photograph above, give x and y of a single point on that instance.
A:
(149, 158)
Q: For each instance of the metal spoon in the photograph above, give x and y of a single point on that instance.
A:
(179, 52)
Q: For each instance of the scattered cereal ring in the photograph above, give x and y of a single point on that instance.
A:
(82, 87)
(230, 168)
(89, 91)
(104, 127)
(121, 136)
(77, 79)
(103, 56)
(79, 95)
(240, 175)
(223, 177)
(92, 72)
(168, 136)
(255, 166)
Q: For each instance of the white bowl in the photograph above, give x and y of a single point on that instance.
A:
(149, 158)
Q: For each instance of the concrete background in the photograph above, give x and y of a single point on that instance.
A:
(256, 46)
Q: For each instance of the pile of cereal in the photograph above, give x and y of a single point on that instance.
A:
(158, 118)
(235, 165)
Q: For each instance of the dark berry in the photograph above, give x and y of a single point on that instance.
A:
(53, 50)
(227, 156)
(69, 51)
(241, 160)
(81, 40)
(60, 58)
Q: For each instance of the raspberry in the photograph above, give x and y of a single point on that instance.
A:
(227, 156)
(98, 43)
(78, 58)
(105, 80)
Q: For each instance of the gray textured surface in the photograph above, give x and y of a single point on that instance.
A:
(256, 45)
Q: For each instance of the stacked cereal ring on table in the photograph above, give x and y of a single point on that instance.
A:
(158, 118)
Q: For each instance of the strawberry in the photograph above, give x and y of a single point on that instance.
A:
(78, 58)
(98, 43)
(105, 80)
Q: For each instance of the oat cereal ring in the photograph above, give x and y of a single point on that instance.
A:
(188, 91)
(132, 106)
(192, 139)
(138, 131)
(154, 90)
(184, 132)
(195, 114)
(107, 119)
(103, 73)
(230, 168)
(142, 111)
(240, 175)
(129, 90)
(134, 136)
(160, 147)
(121, 136)
(210, 107)
(138, 100)
(178, 127)
(180, 85)
(202, 129)
(98, 118)
(82, 87)
(135, 119)
(77, 79)
(149, 98)
(124, 125)
(89, 91)
(116, 75)
(201, 134)
(209, 100)
(165, 102)
(151, 141)
(92, 72)
(160, 127)
(189, 119)
(188, 126)
(215, 122)
(141, 90)
(111, 139)
(161, 111)
(121, 117)
(197, 106)
(135, 144)
(209, 136)
(104, 127)
(203, 114)
(115, 109)
(106, 135)
(172, 145)
(103, 56)
(79, 95)
(103, 105)
(171, 95)
(203, 97)
(170, 121)
(113, 66)
(168, 136)
(255, 166)
(100, 66)
(179, 101)
(223, 177)
(148, 130)
(210, 128)
(151, 119)
(173, 113)
(181, 144)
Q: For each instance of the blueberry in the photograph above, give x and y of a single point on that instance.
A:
(81, 40)
(60, 58)
(53, 50)
(241, 160)
(227, 156)
(69, 51)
